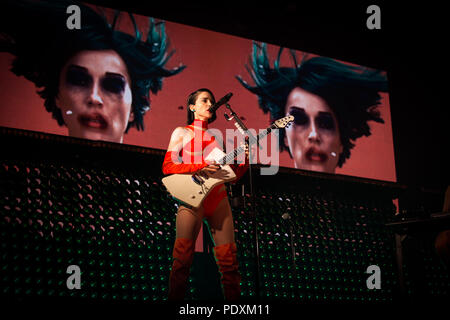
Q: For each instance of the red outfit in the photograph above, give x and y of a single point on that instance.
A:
(183, 255)
(226, 258)
(193, 155)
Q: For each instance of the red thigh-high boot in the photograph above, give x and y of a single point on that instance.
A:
(226, 257)
(183, 254)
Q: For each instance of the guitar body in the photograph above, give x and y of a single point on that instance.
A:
(192, 188)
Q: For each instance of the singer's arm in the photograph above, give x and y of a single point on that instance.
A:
(172, 162)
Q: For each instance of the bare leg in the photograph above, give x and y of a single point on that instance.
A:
(188, 222)
(188, 225)
(221, 224)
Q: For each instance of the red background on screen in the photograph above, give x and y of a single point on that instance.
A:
(213, 60)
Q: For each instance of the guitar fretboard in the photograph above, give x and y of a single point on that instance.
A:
(229, 157)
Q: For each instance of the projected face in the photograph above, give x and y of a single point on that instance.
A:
(95, 96)
(313, 139)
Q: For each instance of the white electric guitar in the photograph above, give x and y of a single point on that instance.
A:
(192, 188)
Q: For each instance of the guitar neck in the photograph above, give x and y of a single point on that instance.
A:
(229, 157)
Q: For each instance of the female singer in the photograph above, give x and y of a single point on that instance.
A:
(193, 143)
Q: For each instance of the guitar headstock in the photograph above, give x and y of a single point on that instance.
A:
(284, 122)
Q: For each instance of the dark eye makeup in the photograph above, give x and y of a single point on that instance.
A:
(324, 120)
(300, 116)
(77, 76)
(80, 77)
(113, 83)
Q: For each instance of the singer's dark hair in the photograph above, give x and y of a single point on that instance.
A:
(35, 32)
(351, 92)
(191, 100)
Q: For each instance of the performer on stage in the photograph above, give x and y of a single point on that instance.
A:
(95, 80)
(331, 102)
(193, 143)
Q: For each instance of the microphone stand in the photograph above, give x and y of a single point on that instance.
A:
(252, 139)
(287, 217)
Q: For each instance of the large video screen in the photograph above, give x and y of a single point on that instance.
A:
(95, 73)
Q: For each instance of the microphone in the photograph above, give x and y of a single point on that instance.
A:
(222, 101)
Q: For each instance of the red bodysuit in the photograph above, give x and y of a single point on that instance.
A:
(193, 155)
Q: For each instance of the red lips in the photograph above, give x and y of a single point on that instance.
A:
(93, 120)
(315, 155)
